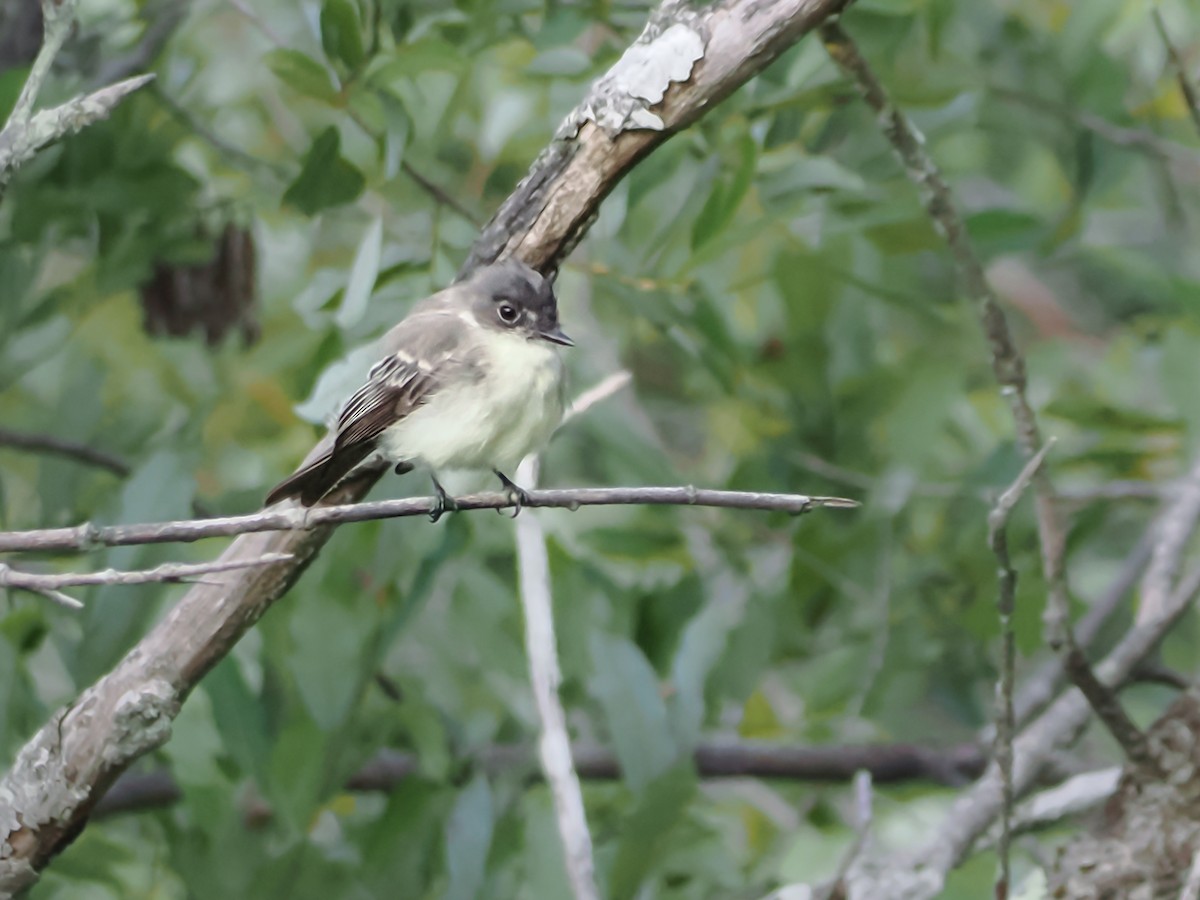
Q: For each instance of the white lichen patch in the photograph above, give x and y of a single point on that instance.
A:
(640, 78)
(141, 721)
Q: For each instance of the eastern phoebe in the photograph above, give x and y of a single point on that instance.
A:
(472, 380)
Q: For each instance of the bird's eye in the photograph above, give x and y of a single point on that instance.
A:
(508, 312)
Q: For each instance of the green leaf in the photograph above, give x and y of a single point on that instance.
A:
(238, 715)
(341, 33)
(644, 832)
(400, 852)
(11, 82)
(627, 687)
(468, 838)
(303, 74)
(397, 128)
(726, 196)
(362, 276)
(704, 640)
(326, 179)
(328, 640)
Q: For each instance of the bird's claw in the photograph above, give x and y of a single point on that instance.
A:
(516, 494)
(442, 504)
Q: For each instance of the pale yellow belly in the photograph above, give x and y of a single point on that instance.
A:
(491, 424)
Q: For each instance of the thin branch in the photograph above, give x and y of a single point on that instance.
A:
(1078, 795)
(270, 33)
(49, 585)
(11, 578)
(296, 518)
(1108, 708)
(1172, 534)
(1008, 365)
(863, 815)
(598, 392)
(233, 155)
(1040, 688)
(438, 193)
(57, 19)
(554, 746)
(545, 674)
(1181, 75)
(921, 874)
(1145, 141)
(46, 443)
(1005, 606)
(26, 132)
(714, 759)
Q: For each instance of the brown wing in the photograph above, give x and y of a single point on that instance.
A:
(398, 384)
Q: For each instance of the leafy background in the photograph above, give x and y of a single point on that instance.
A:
(772, 282)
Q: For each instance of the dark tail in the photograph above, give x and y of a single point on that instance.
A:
(312, 482)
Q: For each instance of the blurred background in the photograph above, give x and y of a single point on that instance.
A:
(183, 288)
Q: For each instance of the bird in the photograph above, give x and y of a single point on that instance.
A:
(472, 379)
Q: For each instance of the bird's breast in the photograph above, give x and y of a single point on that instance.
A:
(492, 421)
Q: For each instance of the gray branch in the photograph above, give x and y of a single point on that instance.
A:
(62, 770)
(51, 585)
(715, 758)
(26, 132)
(297, 518)
(56, 446)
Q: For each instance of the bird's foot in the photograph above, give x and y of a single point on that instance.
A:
(517, 494)
(443, 502)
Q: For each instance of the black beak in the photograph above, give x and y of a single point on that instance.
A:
(556, 336)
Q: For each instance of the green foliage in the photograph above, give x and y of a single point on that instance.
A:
(774, 285)
(326, 179)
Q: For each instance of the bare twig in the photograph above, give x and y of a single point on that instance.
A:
(1107, 706)
(50, 585)
(1008, 364)
(233, 155)
(46, 443)
(836, 889)
(1076, 796)
(26, 132)
(1171, 536)
(438, 193)
(545, 674)
(296, 518)
(270, 33)
(1039, 689)
(714, 759)
(554, 746)
(1181, 75)
(12, 578)
(1005, 605)
(921, 874)
(1145, 141)
(598, 392)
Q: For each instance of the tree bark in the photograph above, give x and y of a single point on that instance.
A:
(1146, 840)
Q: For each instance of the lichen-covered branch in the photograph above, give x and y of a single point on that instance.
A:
(26, 132)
